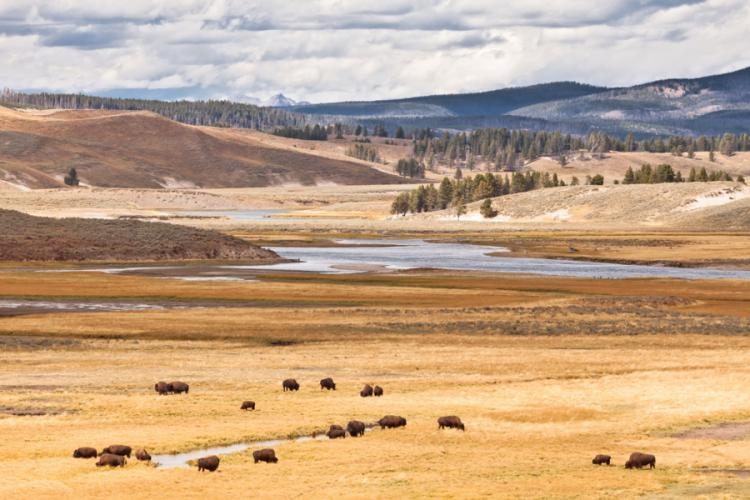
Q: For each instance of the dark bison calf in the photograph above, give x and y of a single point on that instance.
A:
(366, 391)
(327, 383)
(601, 459)
(290, 385)
(356, 428)
(85, 452)
(142, 455)
(336, 433)
(265, 455)
(210, 463)
(117, 449)
(377, 391)
(391, 421)
(248, 405)
(640, 460)
(163, 388)
(111, 460)
(179, 387)
(451, 422)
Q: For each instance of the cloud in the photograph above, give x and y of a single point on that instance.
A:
(327, 50)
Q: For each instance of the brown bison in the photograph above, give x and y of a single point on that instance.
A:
(356, 428)
(451, 422)
(142, 455)
(601, 459)
(117, 449)
(290, 385)
(328, 384)
(391, 421)
(366, 391)
(336, 433)
(85, 452)
(180, 387)
(265, 455)
(640, 460)
(248, 405)
(377, 391)
(111, 460)
(163, 388)
(210, 463)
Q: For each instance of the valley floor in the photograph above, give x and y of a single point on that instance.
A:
(545, 373)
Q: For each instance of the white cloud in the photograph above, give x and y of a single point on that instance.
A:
(342, 50)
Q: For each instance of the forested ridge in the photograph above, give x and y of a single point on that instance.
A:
(208, 113)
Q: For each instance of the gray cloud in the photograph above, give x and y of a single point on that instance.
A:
(335, 50)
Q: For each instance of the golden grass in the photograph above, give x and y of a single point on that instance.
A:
(537, 407)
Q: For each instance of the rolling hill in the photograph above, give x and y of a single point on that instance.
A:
(710, 105)
(29, 238)
(143, 150)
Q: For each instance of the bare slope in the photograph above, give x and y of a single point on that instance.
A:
(141, 149)
(29, 238)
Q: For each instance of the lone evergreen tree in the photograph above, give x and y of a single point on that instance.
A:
(486, 209)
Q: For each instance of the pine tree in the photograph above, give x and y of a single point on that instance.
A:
(400, 133)
(486, 209)
(72, 178)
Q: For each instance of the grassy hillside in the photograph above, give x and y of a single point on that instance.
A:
(28, 238)
(141, 149)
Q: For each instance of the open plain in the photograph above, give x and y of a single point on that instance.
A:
(544, 372)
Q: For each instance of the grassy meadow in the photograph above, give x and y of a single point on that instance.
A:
(544, 372)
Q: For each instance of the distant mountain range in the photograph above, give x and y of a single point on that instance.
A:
(710, 105)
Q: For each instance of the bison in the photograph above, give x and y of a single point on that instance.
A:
(142, 455)
(391, 421)
(377, 391)
(451, 422)
(327, 383)
(248, 405)
(356, 428)
(117, 449)
(163, 388)
(265, 455)
(180, 387)
(640, 460)
(85, 452)
(290, 385)
(336, 433)
(601, 459)
(210, 463)
(111, 460)
(366, 391)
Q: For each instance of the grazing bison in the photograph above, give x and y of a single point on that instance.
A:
(180, 387)
(336, 433)
(601, 459)
(640, 460)
(248, 405)
(85, 452)
(451, 422)
(391, 421)
(377, 391)
(142, 455)
(111, 460)
(356, 428)
(327, 383)
(210, 463)
(290, 385)
(335, 427)
(265, 455)
(366, 391)
(117, 449)
(163, 388)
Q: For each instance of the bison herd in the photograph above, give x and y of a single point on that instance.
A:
(113, 455)
(637, 460)
(116, 455)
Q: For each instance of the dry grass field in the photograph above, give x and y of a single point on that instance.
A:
(545, 373)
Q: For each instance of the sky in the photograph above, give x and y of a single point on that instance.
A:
(335, 50)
